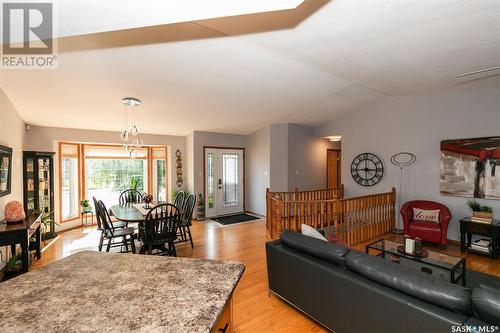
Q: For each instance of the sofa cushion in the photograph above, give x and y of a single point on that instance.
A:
(311, 232)
(426, 215)
(486, 304)
(332, 253)
(413, 283)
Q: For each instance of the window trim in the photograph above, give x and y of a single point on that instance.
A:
(60, 157)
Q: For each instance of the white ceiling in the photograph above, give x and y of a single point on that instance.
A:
(237, 74)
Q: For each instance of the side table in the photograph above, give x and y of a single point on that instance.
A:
(84, 218)
(469, 228)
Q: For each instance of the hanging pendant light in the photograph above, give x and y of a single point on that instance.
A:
(131, 137)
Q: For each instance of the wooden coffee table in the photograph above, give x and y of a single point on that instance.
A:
(441, 265)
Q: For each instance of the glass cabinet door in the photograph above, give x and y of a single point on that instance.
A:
(30, 185)
(44, 185)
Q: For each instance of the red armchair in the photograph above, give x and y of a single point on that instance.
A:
(427, 231)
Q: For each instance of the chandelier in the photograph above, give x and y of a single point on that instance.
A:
(131, 137)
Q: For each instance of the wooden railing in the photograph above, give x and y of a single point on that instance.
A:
(304, 203)
(352, 220)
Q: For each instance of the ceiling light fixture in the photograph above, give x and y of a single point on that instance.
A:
(131, 138)
(334, 138)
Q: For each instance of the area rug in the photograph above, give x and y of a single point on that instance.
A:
(232, 219)
(475, 278)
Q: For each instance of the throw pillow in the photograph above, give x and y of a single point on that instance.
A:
(426, 215)
(311, 232)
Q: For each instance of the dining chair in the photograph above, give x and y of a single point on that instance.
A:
(179, 199)
(111, 233)
(130, 196)
(159, 230)
(184, 230)
(116, 225)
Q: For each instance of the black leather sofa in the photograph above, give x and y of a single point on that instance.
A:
(349, 291)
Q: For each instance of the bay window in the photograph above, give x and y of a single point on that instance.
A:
(104, 171)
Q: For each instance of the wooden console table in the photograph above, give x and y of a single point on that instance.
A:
(20, 233)
(469, 228)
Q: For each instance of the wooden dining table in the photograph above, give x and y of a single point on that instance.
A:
(131, 214)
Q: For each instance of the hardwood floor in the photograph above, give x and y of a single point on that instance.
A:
(254, 309)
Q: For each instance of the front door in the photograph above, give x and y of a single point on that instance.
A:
(224, 186)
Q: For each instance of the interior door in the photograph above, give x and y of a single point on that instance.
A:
(224, 186)
(333, 179)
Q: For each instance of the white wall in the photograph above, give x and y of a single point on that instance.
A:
(46, 139)
(12, 135)
(189, 162)
(257, 166)
(416, 124)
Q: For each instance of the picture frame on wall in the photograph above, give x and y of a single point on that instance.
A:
(471, 168)
(5, 170)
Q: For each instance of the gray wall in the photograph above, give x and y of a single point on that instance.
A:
(306, 158)
(46, 139)
(202, 139)
(279, 157)
(257, 166)
(416, 124)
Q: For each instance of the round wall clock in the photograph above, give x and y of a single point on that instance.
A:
(367, 169)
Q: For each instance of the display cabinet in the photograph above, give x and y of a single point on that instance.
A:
(38, 170)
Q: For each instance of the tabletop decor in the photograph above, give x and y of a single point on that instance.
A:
(148, 198)
(480, 213)
(5, 170)
(14, 212)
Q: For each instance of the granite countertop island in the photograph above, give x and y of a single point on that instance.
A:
(113, 292)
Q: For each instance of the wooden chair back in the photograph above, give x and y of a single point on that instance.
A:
(97, 214)
(130, 196)
(160, 225)
(105, 217)
(179, 199)
(188, 208)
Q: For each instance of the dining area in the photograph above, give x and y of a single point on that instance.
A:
(156, 226)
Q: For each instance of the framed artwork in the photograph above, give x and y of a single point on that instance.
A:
(469, 168)
(5, 170)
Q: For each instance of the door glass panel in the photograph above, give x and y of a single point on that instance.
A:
(230, 180)
(210, 180)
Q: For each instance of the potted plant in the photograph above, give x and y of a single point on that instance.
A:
(480, 213)
(85, 204)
